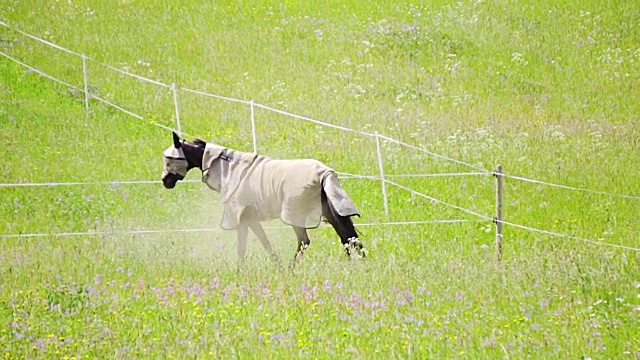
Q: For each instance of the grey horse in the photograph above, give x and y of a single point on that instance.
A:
(256, 188)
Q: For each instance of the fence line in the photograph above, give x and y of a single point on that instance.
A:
(570, 187)
(341, 175)
(90, 183)
(343, 128)
(434, 154)
(436, 175)
(40, 72)
(219, 97)
(145, 232)
(399, 223)
(124, 72)
(344, 175)
(39, 39)
(484, 171)
(484, 217)
(139, 117)
(277, 111)
(551, 233)
(92, 96)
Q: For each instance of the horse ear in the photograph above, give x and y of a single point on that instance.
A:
(199, 143)
(176, 141)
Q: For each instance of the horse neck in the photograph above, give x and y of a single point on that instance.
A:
(194, 155)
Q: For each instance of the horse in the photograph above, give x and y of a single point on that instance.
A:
(256, 188)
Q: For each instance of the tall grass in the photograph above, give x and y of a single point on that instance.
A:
(549, 89)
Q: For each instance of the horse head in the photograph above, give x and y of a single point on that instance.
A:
(179, 158)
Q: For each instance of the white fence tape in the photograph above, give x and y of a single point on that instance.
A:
(551, 233)
(570, 187)
(40, 72)
(434, 154)
(39, 39)
(202, 93)
(135, 76)
(484, 217)
(155, 231)
(141, 182)
(317, 122)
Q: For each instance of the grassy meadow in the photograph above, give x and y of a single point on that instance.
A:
(549, 89)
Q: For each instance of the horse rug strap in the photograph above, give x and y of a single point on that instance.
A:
(286, 189)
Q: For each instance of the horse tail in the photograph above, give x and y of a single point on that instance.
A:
(338, 207)
(340, 203)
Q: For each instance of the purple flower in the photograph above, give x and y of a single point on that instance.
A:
(90, 290)
(197, 291)
(326, 286)
(226, 291)
(244, 291)
(354, 300)
(141, 284)
(39, 344)
(215, 283)
(309, 293)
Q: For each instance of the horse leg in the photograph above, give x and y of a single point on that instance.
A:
(343, 227)
(303, 242)
(243, 231)
(257, 229)
(250, 218)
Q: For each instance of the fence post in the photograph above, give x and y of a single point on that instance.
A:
(498, 219)
(253, 128)
(85, 74)
(174, 87)
(382, 179)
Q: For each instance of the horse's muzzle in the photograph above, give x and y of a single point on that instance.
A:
(170, 180)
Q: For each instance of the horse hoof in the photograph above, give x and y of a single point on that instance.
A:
(354, 248)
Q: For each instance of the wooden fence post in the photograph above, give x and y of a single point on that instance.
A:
(498, 219)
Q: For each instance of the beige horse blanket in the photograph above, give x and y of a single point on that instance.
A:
(286, 189)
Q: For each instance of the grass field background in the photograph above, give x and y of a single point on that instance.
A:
(548, 89)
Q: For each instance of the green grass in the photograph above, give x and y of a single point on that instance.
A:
(548, 89)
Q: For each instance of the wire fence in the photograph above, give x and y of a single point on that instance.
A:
(382, 177)
(169, 231)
